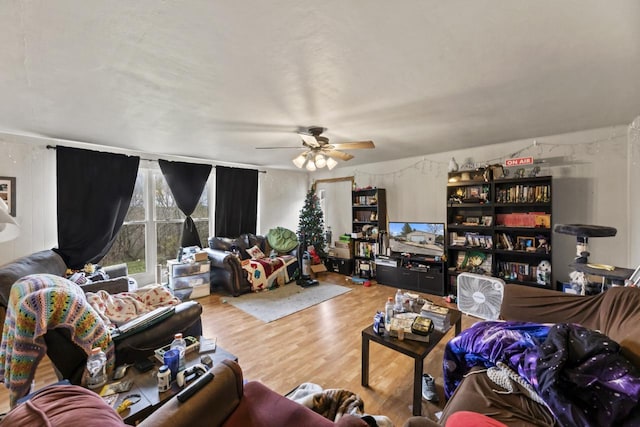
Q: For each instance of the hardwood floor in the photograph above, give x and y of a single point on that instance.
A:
(321, 344)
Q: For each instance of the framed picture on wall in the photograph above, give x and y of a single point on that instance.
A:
(8, 193)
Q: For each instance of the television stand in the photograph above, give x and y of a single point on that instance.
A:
(416, 273)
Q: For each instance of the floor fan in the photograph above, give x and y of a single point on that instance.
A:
(479, 295)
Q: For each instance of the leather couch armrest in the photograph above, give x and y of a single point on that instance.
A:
(210, 406)
(117, 270)
(112, 286)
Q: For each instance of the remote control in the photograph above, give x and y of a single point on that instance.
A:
(184, 395)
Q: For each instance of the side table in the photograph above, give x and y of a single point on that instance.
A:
(415, 349)
(146, 385)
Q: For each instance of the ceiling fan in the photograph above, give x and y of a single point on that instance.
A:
(319, 152)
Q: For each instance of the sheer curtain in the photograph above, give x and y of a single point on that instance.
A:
(236, 201)
(186, 181)
(94, 191)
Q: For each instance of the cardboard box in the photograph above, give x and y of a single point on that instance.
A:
(318, 268)
(200, 256)
(339, 244)
(344, 253)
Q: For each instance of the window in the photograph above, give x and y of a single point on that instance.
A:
(150, 234)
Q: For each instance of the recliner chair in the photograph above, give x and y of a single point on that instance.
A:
(68, 359)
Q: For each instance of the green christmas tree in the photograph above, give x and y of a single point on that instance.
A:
(311, 225)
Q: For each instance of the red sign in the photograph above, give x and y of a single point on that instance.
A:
(520, 161)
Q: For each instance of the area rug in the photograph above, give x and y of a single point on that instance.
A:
(280, 302)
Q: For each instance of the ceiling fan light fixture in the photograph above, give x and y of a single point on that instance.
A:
(299, 161)
(331, 163)
(311, 165)
(320, 161)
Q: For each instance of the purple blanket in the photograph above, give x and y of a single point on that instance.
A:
(579, 373)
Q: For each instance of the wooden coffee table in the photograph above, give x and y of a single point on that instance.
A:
(416, 349)
(145, 384)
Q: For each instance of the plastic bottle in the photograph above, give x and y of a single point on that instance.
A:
(97, 368)
(388, 311)
(399, 307)
(180, 344)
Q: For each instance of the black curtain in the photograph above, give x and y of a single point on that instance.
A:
(236, 201)
(186, 181)
(94, 191)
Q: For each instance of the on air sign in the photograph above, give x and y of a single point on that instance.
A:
(520, 161)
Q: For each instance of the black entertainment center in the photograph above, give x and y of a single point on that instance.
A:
(417, 273)
(415, 258)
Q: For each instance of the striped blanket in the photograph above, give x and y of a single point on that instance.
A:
(36, 304)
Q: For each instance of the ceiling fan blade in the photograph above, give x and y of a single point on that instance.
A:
(338, 154)
(279, 148)
(310, 140)
(354, 145)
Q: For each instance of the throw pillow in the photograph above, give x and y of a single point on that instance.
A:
(256, 253)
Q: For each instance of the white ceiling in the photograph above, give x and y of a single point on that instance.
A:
(217, 79)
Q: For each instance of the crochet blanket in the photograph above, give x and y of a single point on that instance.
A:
(580, 374)
(36, 304)
(119, 308)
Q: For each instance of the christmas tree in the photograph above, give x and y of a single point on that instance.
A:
(311, 225)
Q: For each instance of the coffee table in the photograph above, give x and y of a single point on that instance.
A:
(415, 349)
(145, 384)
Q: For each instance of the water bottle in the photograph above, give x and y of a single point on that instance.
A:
(97, 368)
(180, 344)
(399, 307)
(388, 311)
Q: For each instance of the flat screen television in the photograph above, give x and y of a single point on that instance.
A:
(417, 238)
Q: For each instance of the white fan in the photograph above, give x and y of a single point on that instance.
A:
(480, 296)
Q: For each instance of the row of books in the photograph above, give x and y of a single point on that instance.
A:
(471, 239)
(365, 200)
(517, 271)
(524, 194)
(366, 249)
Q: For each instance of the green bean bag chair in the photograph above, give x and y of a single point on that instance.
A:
(282, 239)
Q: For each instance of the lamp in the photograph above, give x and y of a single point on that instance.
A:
(311, 164)
(300, 160)
(331, 163)
(9, 228)
(320, 161)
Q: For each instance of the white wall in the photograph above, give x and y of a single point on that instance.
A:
(33, 166)
(595, 182)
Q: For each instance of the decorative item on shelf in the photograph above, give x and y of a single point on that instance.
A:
(543, 245)
(453, 165)
(543, 273)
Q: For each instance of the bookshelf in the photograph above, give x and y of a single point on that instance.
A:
(499, 227)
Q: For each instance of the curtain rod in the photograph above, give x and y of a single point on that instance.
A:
(53, 147)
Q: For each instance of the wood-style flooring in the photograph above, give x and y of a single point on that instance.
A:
(321, 344)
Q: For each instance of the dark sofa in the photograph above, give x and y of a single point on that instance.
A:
(226, 268)
(70, 359)
(615, 313)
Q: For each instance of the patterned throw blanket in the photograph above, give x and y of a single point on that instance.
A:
(580, 374)
(36, 304)
(119, 308)
(334, 403)
(263, 272)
